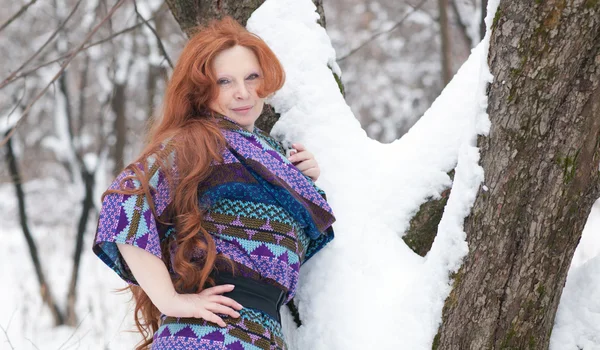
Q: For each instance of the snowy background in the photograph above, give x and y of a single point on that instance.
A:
(367, 289)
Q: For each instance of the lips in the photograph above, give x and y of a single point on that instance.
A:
(242, 109)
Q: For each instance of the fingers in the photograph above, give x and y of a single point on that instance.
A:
(224, 288)
(222, 309)
(211, 317)
(313, 173)
(226, 301)
(307, 164)
(300, 156)
(299, 147)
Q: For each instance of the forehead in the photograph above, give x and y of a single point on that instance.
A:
(237, 59)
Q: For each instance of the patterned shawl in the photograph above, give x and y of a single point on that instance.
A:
(254, 170)
(255, 158)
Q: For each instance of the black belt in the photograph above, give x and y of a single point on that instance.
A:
(254, 294)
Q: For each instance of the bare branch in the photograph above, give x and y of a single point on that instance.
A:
(102, 41)
(49, 40)
(375, 36)
(10, 319)
(7, 328)
(17, 104)
(62, 69)
(158, 40)
(77, 344)
(433, 18)
(74, 331)
(7, 338)
(16, 15)
(29, 340)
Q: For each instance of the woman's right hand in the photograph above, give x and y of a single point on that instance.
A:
(206, 305)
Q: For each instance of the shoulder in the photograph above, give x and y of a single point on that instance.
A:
(155, 170)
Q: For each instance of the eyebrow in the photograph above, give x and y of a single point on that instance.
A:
(219, 76)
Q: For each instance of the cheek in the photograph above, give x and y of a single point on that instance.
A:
(260, 105)
(256, 97)
(222, 100)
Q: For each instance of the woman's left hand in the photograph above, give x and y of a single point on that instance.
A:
(305, 161)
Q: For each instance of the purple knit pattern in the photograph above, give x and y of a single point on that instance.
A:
(256, 232)
(186, 343)
(250, 147)
(129, 219)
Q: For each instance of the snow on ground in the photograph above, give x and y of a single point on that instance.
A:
(367, 288)
(103, 314)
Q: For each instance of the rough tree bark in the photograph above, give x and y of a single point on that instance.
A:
(541, 163)
(423, 226)
(191, 13)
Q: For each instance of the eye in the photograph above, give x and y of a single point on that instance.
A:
(253, 76)
(222, 81)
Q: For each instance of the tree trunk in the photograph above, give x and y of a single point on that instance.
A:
(445, 49)
(541, 163)
(191, 13)
(86, 208)
(45, 289)
(482, 26)
(462, 26)
(424, 225)
(120, 127)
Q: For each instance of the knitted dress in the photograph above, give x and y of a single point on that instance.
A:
(262, 213)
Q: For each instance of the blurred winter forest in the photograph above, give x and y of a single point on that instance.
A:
(81, 79)
(396, 56)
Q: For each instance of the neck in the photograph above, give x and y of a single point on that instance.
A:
(249, 128)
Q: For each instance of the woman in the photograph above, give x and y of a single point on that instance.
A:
(212, 222)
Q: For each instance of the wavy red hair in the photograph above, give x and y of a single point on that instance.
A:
(196, 140)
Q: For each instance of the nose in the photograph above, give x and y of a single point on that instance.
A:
(242, 92)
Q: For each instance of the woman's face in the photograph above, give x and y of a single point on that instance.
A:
(238, 75)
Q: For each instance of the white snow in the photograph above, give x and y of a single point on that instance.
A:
(577, 323)
(366, 289)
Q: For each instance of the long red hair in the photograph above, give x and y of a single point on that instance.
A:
(196, 140)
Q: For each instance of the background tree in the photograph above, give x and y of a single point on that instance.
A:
(541, 163)
(63, 136)
(86, 126)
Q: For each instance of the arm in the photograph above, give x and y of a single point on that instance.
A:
(153, 277)
(129, 240)
(151, 274)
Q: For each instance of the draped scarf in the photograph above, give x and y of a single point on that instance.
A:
(253, 169)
